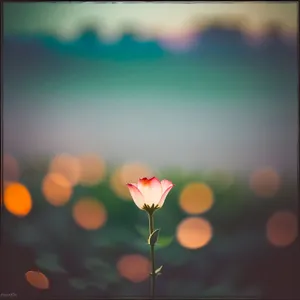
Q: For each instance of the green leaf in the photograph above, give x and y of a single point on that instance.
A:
(164, 241)
(153, 237)
(158, 271)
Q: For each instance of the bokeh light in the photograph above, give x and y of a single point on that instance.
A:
(116, 185)
(17, 199)
(134, 267)
(89, 213)
(128, 173)
(194, 232)
(282, 228)
(37, 279)
(56, 189)
(66, 165)
(3, 188)
(11, 170)
(265, 182)
(92, 169)
(196, 198)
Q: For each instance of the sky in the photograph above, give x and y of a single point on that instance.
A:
(209, 113)
(67, 19)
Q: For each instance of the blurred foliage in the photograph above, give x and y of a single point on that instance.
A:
(87, 259)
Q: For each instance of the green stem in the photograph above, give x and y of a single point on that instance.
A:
(151, 229)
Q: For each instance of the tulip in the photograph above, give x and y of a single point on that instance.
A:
(150, 195)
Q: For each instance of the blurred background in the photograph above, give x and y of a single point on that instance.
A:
(99, 95)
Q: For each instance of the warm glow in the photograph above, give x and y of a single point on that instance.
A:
(265, 182)
(134, 267)
(11, 171)
(92, 169)
(17, 199)
(57, 189)
(67, 166)
(116, 185)
(128, 173)
(89, 213)
(5, 185)
(194, 233)
(282, 228)
(178, 44)
(37, 279)
(196, 198)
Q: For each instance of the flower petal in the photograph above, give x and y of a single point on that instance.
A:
(136, 195)
(166, 186)
(151, 190)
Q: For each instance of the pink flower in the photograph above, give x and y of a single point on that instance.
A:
(150, 193)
